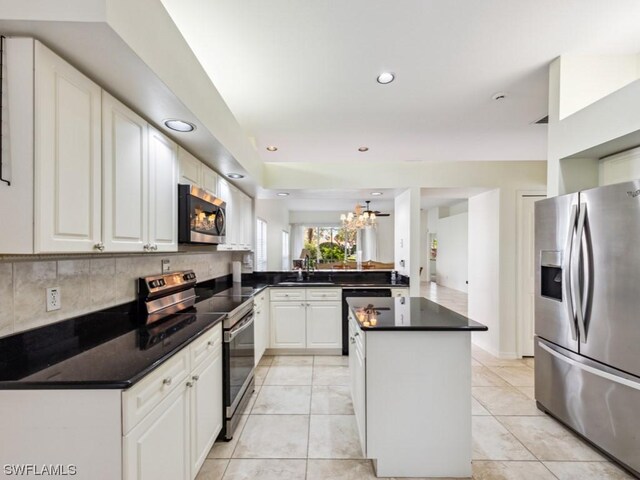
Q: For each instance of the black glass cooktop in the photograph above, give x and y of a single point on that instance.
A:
(407, 313)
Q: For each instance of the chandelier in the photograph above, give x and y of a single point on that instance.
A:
(358, 219)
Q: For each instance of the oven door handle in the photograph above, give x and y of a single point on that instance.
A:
(233, 333)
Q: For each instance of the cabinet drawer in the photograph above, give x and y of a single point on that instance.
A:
(324, 294)
(140, 399)
(285, 294)
(205, 345)
(399, 292)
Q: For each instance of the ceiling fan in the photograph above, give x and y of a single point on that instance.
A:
(367, 209)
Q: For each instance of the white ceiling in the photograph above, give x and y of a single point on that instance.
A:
(301, 75)
(332, 200)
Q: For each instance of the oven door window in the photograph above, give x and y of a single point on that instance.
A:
(241, 361)
(206, 218)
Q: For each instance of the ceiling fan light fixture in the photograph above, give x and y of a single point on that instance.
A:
(385, 78)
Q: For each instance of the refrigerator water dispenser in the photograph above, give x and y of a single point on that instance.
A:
(551, 275)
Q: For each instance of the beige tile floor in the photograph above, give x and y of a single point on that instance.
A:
(300, 425)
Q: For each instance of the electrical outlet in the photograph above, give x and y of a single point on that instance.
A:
(54, 299)
(166, 265)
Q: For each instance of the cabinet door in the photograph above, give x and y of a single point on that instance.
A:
(67, 157)
(209, 180)
(163, 193)
(324, 325)
(190, 168)
(247, 222)
(125, 177)
(288, 329)
(158, 447)
(206, 408)
(359, 402)
(262, 331)
(224, 192)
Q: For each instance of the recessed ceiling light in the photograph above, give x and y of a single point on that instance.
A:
(386, 77)
(499, 96)
(283, 194)
(179, 125)
(235, 175)
(376, 194)
(272, 148)
(363, 149)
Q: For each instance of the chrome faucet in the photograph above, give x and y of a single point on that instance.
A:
(300, 277)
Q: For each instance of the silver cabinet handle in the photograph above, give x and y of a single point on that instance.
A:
(99, 246)
(167, 381)
(210, 343)
(189, 384)
(154, 247)
(146, 247)
(195, 378)
(353, 340)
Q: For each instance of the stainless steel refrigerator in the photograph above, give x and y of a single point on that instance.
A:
(587, 315)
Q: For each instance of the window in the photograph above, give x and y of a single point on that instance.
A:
(286, 257)
(261, 245)
(328, 244)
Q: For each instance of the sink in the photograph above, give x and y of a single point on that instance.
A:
(304, 283)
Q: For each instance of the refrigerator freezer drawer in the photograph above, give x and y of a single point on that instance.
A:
(593, 400)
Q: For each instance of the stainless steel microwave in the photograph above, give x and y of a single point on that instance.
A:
(201, 216)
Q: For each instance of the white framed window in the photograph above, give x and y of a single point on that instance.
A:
(261, 245)
(286, 256)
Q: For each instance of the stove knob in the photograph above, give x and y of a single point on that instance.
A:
(153, 284)
(161, 282)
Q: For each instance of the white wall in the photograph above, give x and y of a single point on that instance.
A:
(276, 214)
(453, 239)
(484, 267)
(407, 237)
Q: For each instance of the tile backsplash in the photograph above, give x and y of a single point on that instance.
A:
(87, 284)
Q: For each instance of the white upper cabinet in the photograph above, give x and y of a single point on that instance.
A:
(190, 168)
(163, 193)
(125, 177)
(67, 192)
(247, 222)
(209, 180)
(194, 172)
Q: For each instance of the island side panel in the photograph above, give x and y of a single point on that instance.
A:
(419, 403)
(63, 427)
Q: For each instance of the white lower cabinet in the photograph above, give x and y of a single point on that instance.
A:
(288, 328)
(299, 323)
(172, 441)
(158, 447)
(262, 324)
(206, 408)
(324, 324)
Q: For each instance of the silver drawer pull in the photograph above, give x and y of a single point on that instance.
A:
(353, 340)
(210, 343)
(356, 334)
(195, 378)
(189, 384)
(167, 381)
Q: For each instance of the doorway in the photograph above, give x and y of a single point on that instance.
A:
(526, 270)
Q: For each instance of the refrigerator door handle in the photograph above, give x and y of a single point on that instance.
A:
(566, 272)
(575, 273)
(595, 371)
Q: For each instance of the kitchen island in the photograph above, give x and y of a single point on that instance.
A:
(410, 367)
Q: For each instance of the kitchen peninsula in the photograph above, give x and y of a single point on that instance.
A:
(410, 367)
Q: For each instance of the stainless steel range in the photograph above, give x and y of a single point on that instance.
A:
(238, 351)
(172, 302)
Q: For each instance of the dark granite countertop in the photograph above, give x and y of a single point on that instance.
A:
(408, 314)
(111, 349)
